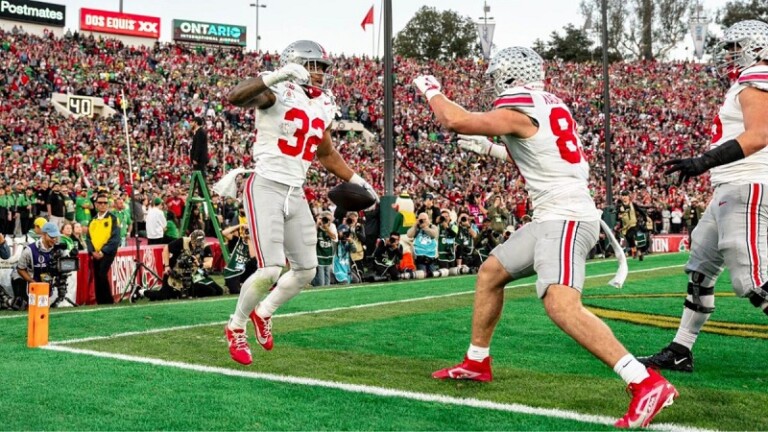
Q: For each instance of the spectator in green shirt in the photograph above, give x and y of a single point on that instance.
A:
(171, 227)
(5, 213)
(83, 207)
(123, 214)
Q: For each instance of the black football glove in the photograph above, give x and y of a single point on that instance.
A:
(725, 153)
(688, 168)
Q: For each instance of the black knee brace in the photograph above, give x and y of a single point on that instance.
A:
(759, 298)
(697, 291)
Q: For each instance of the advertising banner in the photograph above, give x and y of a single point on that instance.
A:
(119, 23)
(662, 243)
(209, 33)
(33, 12)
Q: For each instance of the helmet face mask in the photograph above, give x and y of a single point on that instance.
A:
(743, 45)
(312, 56)
(514, 66)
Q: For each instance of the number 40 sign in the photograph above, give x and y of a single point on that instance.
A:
(81, 106)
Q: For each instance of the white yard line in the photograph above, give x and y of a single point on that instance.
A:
(317, 311)
(370, 390)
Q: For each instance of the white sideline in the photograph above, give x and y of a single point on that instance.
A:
(371, 390)
(317, 311)
(218, 299)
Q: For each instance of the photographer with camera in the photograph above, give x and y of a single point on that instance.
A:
(358, 236)
(487, 239)
(446, 240)
(465, 243)
(241, 264)
(632, 219)
(326, 237)
(342, 260)
(386, 258)
(498, 214)
(424, 236)
(186, 262)
(34, 265)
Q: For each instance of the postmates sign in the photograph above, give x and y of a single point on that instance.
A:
(119, 23)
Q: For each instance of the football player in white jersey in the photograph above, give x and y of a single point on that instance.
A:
(295, 112)
(539, 135)
(733, 232)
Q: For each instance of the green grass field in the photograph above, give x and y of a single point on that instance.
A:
(360, 358)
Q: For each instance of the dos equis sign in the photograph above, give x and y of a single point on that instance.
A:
(209, 33)
(119, 23)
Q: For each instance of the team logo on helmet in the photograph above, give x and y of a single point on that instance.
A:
(306, 53)
(742, 45)
(515, 66)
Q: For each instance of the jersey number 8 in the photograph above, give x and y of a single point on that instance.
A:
(564, 128)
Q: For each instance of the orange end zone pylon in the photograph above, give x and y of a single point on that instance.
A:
(39, 305)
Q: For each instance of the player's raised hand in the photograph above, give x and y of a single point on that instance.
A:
(475, 143)
(290, 72)
(428, 85)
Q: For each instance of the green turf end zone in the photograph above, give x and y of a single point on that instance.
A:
(331, 336)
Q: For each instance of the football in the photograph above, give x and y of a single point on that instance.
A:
(351, 197)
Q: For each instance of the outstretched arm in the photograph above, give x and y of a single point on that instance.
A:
(454, 117)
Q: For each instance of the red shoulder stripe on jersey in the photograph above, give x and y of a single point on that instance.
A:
(753, 77)
(521, 99)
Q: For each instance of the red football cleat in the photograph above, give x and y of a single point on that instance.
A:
(649, 397)
(238, 346)
(468, 370)
(263, 330)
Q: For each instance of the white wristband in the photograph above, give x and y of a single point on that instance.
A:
(356, 179)
(498, 151)
(429, 94)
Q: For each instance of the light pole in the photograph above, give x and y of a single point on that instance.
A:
(258, 6)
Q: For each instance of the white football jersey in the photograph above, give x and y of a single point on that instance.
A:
(289, 132)
(729, 124)
(552, 161)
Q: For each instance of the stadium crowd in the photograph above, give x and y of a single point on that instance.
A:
(658, 109)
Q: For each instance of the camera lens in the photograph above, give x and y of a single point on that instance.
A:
(325, 220)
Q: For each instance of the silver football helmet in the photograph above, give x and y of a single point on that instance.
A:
(514, 66)
(312, 56)
(742, 45)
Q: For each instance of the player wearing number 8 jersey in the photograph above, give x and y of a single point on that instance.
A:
(539, 135)
(295, 111)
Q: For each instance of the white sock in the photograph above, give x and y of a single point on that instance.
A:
(476, 353)
(690, 325)
(288, 286)
(251, 292)
(630, 370)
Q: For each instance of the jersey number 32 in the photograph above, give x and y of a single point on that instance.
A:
(304, 145)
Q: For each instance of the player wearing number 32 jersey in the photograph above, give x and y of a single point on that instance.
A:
(295, 111)
(539, 136)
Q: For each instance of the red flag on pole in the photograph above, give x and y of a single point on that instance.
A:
(368, 18)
